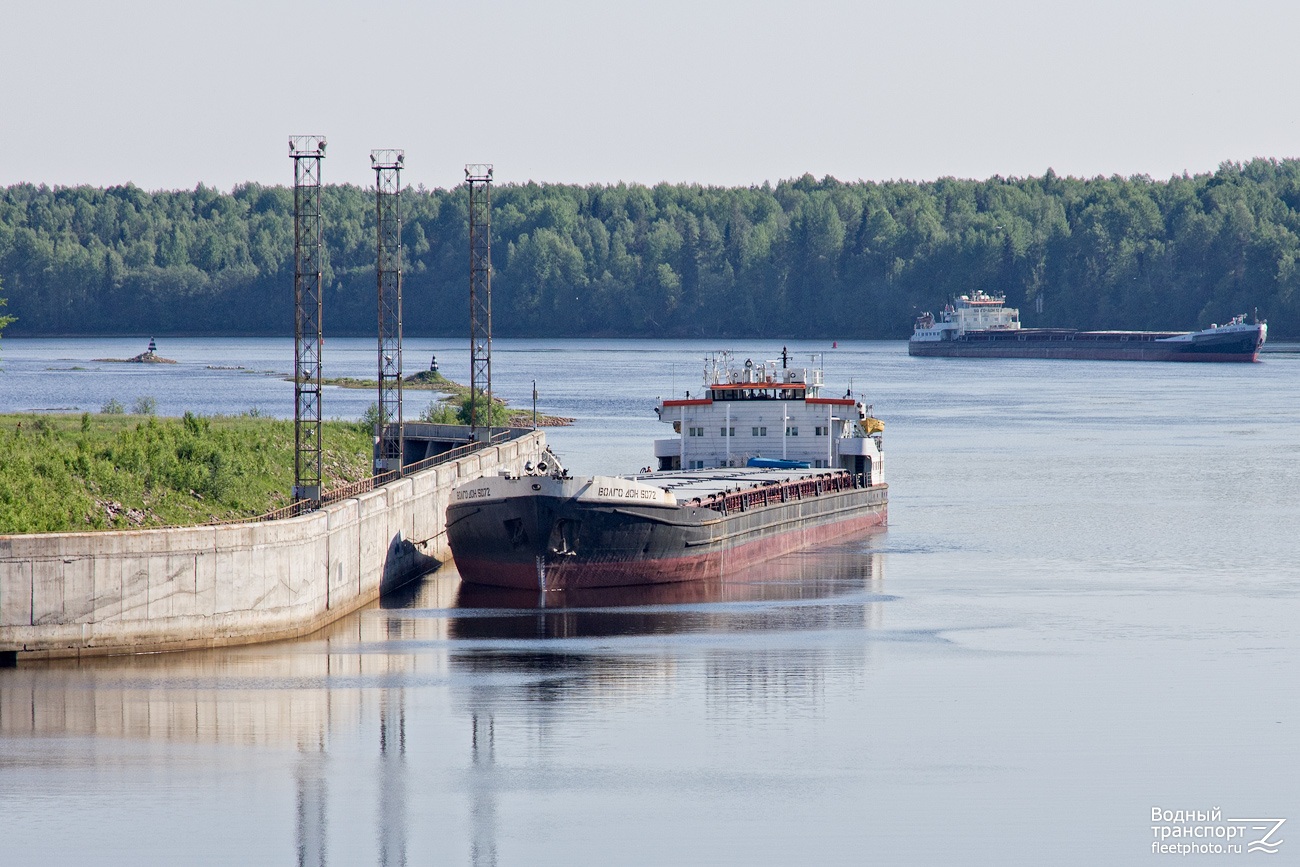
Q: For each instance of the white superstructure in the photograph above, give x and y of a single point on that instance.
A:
(976, 312)
(769, 411)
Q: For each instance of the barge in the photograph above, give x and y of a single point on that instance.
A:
(982, 326)
(759, 465)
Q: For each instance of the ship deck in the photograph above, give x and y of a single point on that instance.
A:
(690, 484)
(1045, 334)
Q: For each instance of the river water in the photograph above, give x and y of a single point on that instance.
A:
(1084, 608)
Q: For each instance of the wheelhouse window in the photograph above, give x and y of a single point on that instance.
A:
(756, 393)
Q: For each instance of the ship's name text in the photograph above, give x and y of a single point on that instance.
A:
(628, 493)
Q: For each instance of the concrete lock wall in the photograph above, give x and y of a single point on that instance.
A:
(76, 594)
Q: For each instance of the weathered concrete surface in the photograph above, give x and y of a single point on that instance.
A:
(101, 696)
(79, 594)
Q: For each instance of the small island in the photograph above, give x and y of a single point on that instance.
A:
(454, 395)
(149, 356)
(425, 380)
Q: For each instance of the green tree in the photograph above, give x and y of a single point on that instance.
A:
(4, 320)
(499, 413)
(805, 257)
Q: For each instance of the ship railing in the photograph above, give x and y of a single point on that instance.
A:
(784, 492)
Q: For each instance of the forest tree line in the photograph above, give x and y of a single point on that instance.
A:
(803, 258)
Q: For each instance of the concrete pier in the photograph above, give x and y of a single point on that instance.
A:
(137, 591)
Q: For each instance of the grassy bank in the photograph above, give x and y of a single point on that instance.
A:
(109, 471)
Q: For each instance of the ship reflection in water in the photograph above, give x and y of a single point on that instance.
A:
(801, 591)
(462, 697)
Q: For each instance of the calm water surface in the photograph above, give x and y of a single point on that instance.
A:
(1084, 607)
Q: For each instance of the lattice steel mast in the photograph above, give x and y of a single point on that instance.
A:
(478, 176)
(388, 223)
(307, 151)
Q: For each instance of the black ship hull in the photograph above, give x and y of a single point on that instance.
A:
(1215, 345)
(540, 542)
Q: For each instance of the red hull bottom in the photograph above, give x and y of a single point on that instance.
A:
(562, 573)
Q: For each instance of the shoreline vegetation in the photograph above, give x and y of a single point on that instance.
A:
(803, 258)
(66, 472)
(120, 470)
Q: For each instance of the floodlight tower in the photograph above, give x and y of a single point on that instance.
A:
(307, 151)
(478, 176)
(388, 223)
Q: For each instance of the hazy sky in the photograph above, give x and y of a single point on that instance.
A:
(170, 94)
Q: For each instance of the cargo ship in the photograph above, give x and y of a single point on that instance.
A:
(982, 326)
(761, 463)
